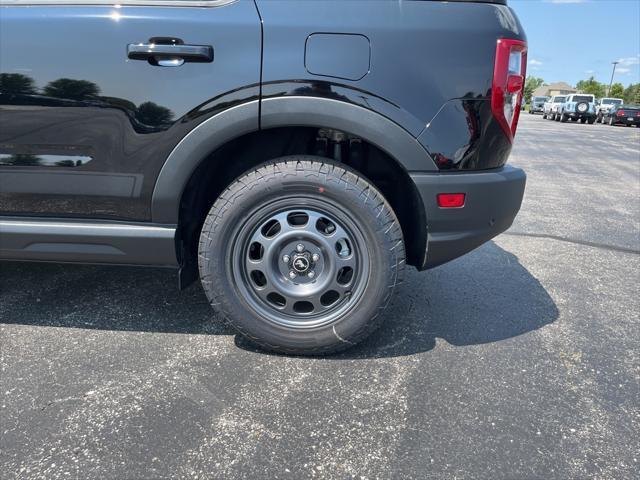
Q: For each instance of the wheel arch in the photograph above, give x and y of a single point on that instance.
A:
(198, 149)
(240, 120)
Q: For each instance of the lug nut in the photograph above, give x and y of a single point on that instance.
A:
(286, 259)
(315, 257)
(300, 248)
(292, 274)
(311, 274)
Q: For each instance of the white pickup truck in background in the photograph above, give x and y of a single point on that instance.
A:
(604, 105)
(551, 107)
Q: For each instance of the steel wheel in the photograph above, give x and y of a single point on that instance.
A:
(300, 267)
(301, 255)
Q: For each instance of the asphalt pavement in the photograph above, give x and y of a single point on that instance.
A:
(519, 360)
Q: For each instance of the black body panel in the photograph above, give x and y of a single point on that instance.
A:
(449, 48)
(71, 88)
(108, 111)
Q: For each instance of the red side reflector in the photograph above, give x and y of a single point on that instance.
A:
(451, 200)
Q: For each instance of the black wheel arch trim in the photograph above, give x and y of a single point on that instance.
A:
(249, 117)
(207, 137)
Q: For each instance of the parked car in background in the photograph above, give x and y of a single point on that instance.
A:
(604, 105)
(578, 107)
(551, 106)
(537, 105)
(623, 115)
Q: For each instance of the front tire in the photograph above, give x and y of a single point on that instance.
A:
(301, 256)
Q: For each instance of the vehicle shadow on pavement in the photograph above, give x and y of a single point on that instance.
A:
(103, 298)
(484, 297)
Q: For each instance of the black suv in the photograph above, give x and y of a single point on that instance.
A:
(293, 155)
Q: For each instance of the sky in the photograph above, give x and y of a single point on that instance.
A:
(571, 40)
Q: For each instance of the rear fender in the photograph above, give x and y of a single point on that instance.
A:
(235, 122)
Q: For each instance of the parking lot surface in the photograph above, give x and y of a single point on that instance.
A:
(519, 360)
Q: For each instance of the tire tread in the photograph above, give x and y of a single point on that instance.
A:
(310, 167)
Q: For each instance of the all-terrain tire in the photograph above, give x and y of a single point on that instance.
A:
(299, 182)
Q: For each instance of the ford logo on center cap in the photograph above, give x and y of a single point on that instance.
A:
(301, 264)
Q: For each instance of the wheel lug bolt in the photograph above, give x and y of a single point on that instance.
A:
(315, 257)
(311, 274)
(292, 274)
(300, 248)
(286, 259)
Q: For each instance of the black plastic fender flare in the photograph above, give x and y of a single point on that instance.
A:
(240, 120)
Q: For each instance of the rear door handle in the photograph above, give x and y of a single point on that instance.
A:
(171, 54)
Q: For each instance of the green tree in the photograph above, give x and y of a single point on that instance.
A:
(530, 84)
(70, 89)
(617, 90)
(592, 86)
(632, 94)
(17, 84)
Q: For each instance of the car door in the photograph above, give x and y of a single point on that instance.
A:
(94, 96)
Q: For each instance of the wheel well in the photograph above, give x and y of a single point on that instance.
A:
(221, 167)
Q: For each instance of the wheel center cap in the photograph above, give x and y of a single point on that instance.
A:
(300, 263)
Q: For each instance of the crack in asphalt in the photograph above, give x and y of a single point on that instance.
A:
(604, 246)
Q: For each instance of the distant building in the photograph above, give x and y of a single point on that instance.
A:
(558, 88)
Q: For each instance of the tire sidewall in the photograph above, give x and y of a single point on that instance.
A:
(337, 185)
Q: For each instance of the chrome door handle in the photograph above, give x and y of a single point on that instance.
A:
(170, 54)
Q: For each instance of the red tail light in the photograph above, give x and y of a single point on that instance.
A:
(508, 83)
(620, 113)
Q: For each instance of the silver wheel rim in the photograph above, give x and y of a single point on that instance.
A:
(300, 267)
